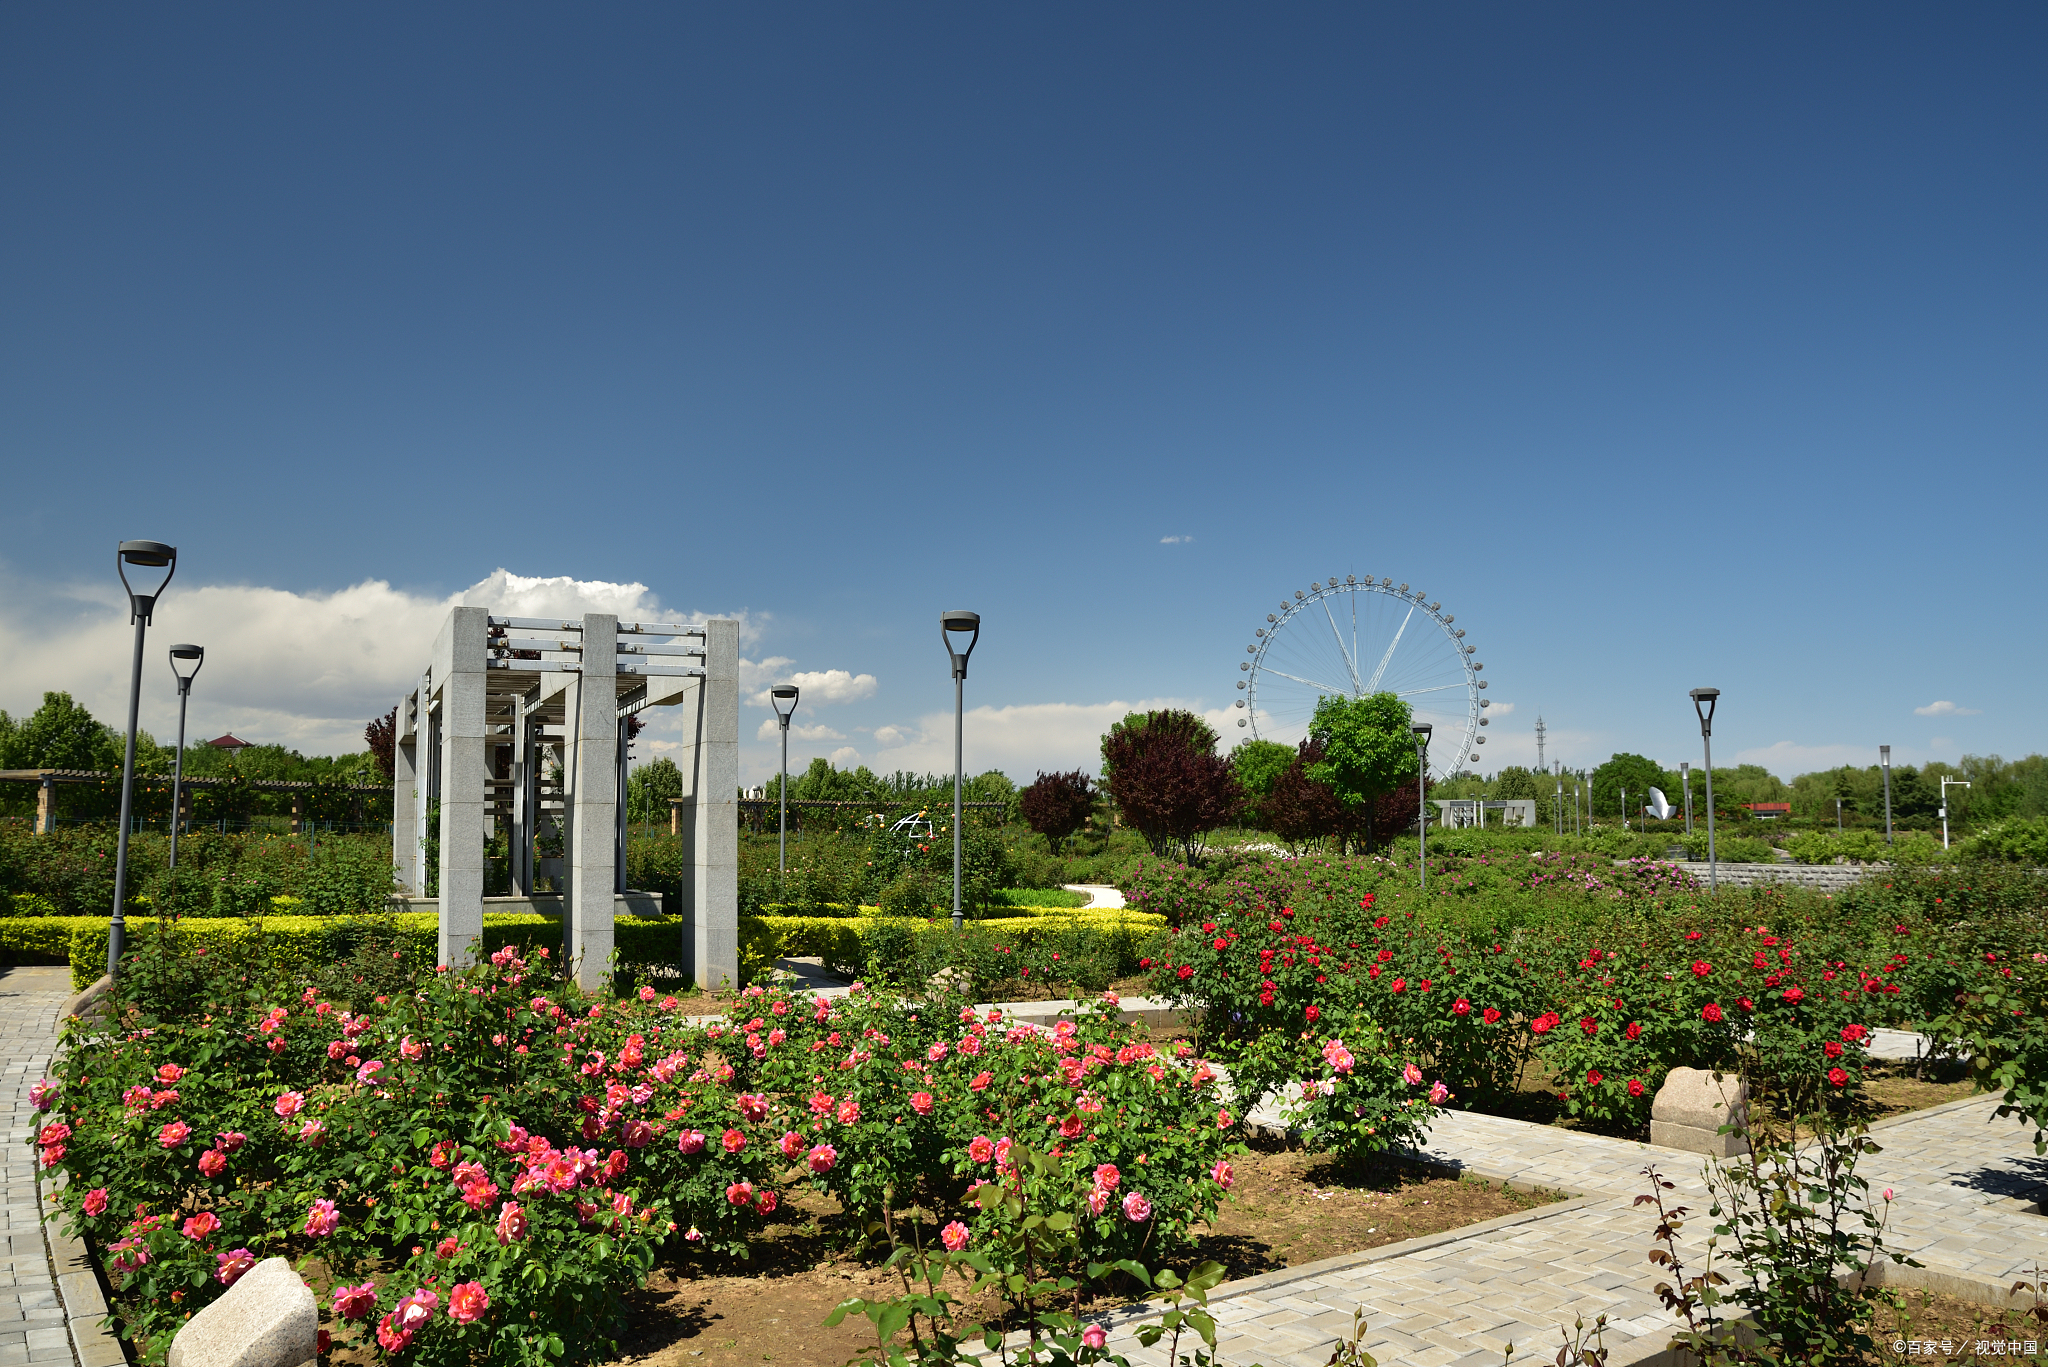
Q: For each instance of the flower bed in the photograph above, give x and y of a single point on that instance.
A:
(1606, 976)
(482, 1165)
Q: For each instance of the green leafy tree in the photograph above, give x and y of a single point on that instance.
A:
(1635, 774)
(61, 734)
(1258, 765)
(1367, 750)
(649, 789)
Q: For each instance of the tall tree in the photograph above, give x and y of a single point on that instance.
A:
(1258, 765)
(1367, 751)
(1635, 774)
(1168, 781)
(63, 735)
(1057, 805)
(381, 735)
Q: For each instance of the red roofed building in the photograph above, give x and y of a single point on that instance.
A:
(1768, 811)
(229, 743)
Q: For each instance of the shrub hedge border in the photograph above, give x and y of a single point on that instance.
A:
(642, 945)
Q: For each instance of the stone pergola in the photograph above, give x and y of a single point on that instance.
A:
(519, 726)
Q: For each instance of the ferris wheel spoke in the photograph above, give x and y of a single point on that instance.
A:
(1350, 665)
(1411, 692)
(1322, 687)
(1374, 685)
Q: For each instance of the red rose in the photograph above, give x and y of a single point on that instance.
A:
(1794, 995)
(1711, 1012)
(1634, 1030)
(1635, 1087)
(1837, 1076)
(1313, 1012)
(1701, 968)
(1490, 1016)
(1461, 1007)
(1593, 1077)
(1589, 1025)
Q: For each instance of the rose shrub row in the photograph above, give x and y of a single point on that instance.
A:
(482, 1165)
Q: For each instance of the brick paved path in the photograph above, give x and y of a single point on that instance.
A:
(1966, 1188)
(32, 1328)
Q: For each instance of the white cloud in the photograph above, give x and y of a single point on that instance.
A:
(1944, 708)
(846, 757)
(770, 728)
(822, 687)
(1498, 709)
(306, 670)
(1174, 540)
(1788, 758)
(761, 673)
(1022, 739)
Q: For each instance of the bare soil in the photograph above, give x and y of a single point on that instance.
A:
(1287, 1207)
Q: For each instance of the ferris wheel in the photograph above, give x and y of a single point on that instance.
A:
(1354, 637)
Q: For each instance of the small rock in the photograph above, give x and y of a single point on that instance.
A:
(1691, 1107)
(268, 1318)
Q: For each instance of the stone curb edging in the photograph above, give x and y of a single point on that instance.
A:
(86, 1317)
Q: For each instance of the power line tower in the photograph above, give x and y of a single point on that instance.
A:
(1540, 765)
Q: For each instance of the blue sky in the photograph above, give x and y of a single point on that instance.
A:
(1664, 347)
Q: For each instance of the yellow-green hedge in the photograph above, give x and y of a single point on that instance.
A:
(302, 943)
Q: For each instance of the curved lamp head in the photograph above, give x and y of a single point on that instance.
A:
(950, 622)
(1703, 703)
(1884, 755)
(777, 696)
(1422, 730)
(183, 656)
(145, 555)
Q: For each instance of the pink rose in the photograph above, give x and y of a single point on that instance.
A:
(233, 1265)
(1410, 1074)
(822, 1158)
(1136, 1208)
(792, 1145)
(981, 1148)
(174, 1134)
(1438, 1092)
(169, 1074)
(322, 1219)
(355, 1302)
(313, 1132)
(44, 1094)
(733, 1141)
(691, 1141)
(954, 1236)
(467, 1302)
(1094, 1336)
(511, 1223)
(740, 1193)
(849, 1112)
(921, 1102)
(448, 1248)
(201, 1225)
(1223, 1174)
(1106, 1176)
(289, 1105)
(213, 1162)
(96, 1202)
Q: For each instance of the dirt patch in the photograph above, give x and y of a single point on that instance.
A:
(1896, 1089)
(1288, 1207)
(1955, 1327)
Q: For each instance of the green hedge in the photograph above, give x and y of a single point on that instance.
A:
(642, 946)
(841, 941)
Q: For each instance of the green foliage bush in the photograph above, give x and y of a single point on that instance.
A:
(492, 1137)
(1732, 849)
(2016, 840)
(72, 869)
(1558, 956)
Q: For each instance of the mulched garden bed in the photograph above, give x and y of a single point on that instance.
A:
(1287, 1208)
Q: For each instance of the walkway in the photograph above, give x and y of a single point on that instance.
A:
(31, 1319)
(1966, 1186)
